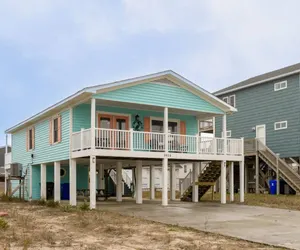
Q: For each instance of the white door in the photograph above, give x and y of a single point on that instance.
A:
(261, 133)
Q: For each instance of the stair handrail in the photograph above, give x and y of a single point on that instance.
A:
(113, 175)
(279, 160)
(127, 180)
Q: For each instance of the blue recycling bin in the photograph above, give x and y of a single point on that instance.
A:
(65, 191)
(273, 186)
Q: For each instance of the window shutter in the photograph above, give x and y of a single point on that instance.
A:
(59, 128)
(50, 131)
(182, 132)
(147, 128)
(33, 137)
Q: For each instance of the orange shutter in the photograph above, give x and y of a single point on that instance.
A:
(50, 131)
(27, 139)
(182, 131)
(147, 128)
(33, 137)
(59, 128)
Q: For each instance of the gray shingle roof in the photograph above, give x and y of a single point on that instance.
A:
(259, 78)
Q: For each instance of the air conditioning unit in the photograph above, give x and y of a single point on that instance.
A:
(16, 170)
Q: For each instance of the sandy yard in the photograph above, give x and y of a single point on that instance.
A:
(41, 227)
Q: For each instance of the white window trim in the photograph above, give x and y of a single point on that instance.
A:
(225, 99)
(52, 132)
(33, 137)
(281, 122)
(113, 114)
(162, 119)
(280, 88)
(233, 99)
(227, 136)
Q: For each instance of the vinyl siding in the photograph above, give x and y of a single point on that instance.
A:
(160, 95)
(259, 105)
(82, 117)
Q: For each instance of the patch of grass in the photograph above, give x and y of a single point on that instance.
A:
(52, 203)
(7, 198)
(84, 206)
(67, 208)
(3, 224)
(41, 202)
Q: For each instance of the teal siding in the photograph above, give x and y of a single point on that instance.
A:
(82, 117)
(259, 105)
(160, 95)
(43, 152)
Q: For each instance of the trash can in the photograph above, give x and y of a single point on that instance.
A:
(273, 184)
(65, 191)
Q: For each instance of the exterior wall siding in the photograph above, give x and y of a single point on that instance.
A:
(160, 95)
(82, 117)
(259, 105)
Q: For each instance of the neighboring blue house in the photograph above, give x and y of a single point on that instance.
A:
(118, 125)
(268, 107)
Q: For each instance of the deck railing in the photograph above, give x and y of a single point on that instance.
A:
(114, 139)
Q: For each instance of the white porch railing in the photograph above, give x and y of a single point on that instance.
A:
(114, 139)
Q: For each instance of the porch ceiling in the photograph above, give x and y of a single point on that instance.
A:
(200, 115)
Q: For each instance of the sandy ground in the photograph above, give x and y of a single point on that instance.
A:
(41, 227)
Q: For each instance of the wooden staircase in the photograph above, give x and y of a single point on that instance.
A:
(291, 177)
(209, 175)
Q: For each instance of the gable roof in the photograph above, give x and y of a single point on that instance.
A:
(293, 69)
(89, 91)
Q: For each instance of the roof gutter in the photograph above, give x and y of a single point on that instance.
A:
(256, 83)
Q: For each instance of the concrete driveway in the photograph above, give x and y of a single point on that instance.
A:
(265, 225)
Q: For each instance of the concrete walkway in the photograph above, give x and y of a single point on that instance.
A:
(265, 225)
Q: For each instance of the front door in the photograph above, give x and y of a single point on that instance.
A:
(261, 133)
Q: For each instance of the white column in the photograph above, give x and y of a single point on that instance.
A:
(73, 185)
(173, 182)
(43, 182)
(152, 182)
(242, 180)
(225, 133)
(93, 122)
(133, 172)
(139, 180)
(57, 181)
(165, 182)
(231, 181)
(166, 128)
(223, 182)
(119, 181)
(92, 182)
(195, 193)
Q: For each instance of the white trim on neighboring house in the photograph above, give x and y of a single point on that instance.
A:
(225, 99)
(264, 126)
(113, 114)
(162, 119)
(283, 125)
(234, 100)
(256, 83)
(228, 134)
(280, 85)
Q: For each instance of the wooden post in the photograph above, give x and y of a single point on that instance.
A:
(256, 168)
(246, 178)
(277, 175)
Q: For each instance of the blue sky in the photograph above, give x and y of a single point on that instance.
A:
(51, 48)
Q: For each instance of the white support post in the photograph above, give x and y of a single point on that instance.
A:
(139, 180)
(43, 181)
(81, 139)
(152, 181)
(223, 182)
(93, 123)
(57, 181)
(166, 131)
(119, 181)
(195, 193)
(242, 184)
(92, 182)
(277, 175)
(165, 182)
(197, 143)
(131, 139)
(225, 133)
(173, 182)
(73, 185)
(231, 181)
(6, 144)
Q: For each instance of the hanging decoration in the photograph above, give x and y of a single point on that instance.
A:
(137, 125)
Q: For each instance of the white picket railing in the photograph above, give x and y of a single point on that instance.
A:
(114, 139)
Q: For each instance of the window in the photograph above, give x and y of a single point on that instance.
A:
(62, 172)
(280, 125)
(158, 126)
(280, 85)
(30, 139)
(55, 130)
(229, 100)
(228, 133)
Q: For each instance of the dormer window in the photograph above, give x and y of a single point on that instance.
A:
(229, 100)
(280, 85)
